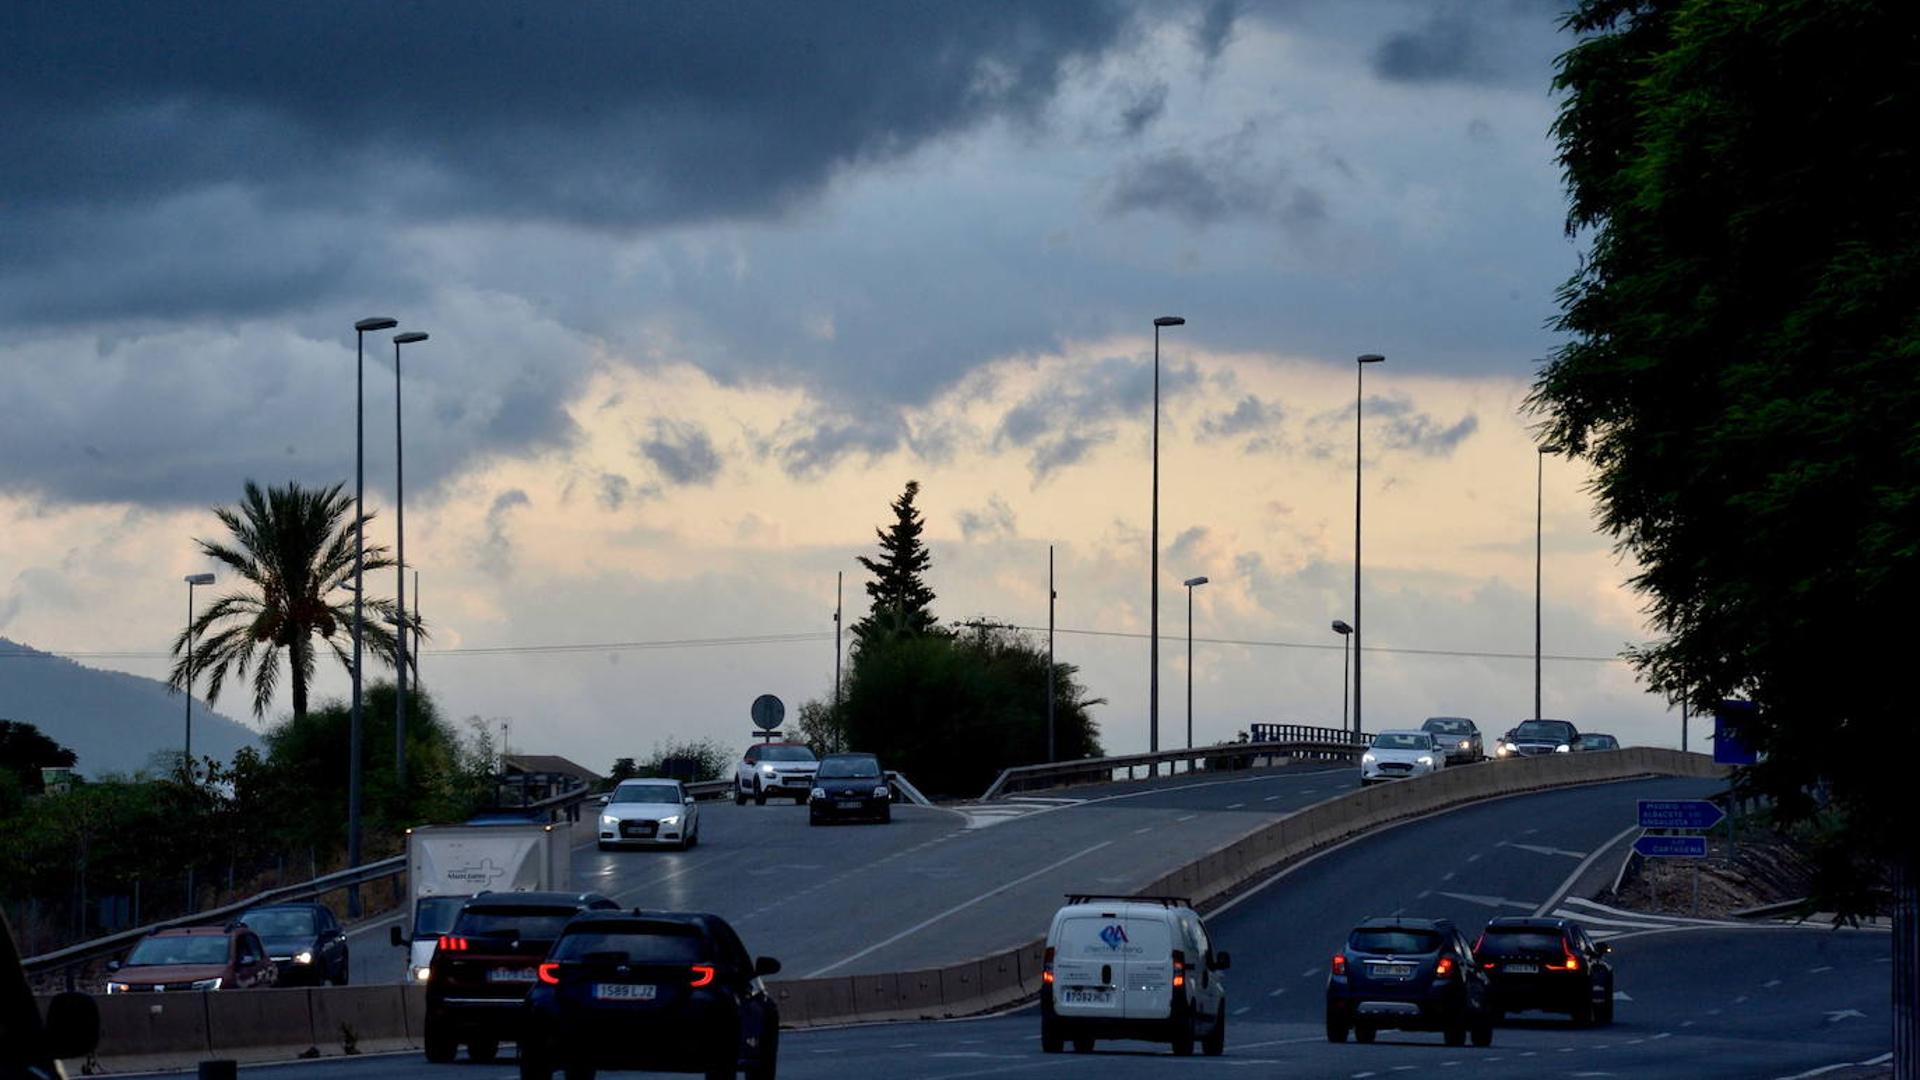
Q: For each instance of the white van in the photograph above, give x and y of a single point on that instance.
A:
(1131, 967)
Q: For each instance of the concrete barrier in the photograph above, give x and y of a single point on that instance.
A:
(360, 1019)
(168, 1030)
(259, 1024)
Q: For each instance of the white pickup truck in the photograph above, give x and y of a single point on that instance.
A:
(448, 864)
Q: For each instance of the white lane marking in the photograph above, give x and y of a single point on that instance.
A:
(1686, 1023)
(1566, 886)
(1475, 857)
(1824, 1069)
(1542, 849)
(1622, 995)
(1143, 829)
(1821, 970)
(1424, 893)
(1664, 1035)
(1189, 817)
(957, 908)
(1490, 901)
(1448, 876)
(1622, 913)
(1278, 992)
(1310, 973)
(1243, 1010)
(1235, 806)
(1838, 1015)
(1741, 1000)
(1770, 984)
(1270, 798)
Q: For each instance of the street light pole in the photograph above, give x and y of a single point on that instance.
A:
(1359, 383)
(1539, 502)
(1190, 583)
(839, 577)
(1346, 657)
(1052, 755)
(360, 331)
(1153, 571)
(400, 571)
(192, 580)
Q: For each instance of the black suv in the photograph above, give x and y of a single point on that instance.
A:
(1547, 964)
(483, 967)
(650, 990)
(1409, 974)
(850, 786)
(304, 940)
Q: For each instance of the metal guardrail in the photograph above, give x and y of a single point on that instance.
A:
(76, 956)
(1221, 756)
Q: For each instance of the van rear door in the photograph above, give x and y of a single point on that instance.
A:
(1087, 971)
(1148, 947)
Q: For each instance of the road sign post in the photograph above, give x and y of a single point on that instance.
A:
(767, 712)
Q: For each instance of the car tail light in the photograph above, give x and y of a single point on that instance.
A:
(1339, 963)
(1046, 966)
(550, 973)
(1443, 969)
(450, 943)
(1573, 962)
(702, 975)
(1179, 969)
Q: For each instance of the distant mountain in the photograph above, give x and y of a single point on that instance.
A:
(114, 721)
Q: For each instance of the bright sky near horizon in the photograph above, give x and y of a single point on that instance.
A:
(706, 285)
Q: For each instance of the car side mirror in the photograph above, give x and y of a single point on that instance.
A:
(113, 965)
(398, 939)
(1604, 948)
(73, 1025)
(765, 965)
(1222, 961)
(603, 800)
(688, 800)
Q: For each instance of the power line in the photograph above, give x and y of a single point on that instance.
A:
(1390, 649)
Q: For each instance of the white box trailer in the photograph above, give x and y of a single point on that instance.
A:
(449, 864)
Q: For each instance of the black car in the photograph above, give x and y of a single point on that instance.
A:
(1549, 965)
(483, 967)
(1535, 737)
(1409, 974)
(1593, 740)
(850, 786)
(650, 990)
(1458, 736)
(304, 940)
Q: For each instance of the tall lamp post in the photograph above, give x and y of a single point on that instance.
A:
(360, 331)
(1051, 597)
(1539, 502)
(1153, 572)
(1359, 386)
(400, 570)
(191, 580)
(1191, 584)
(1346, 660)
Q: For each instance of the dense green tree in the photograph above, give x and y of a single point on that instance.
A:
(706, 759)
(901, 602)
(624, 768)
(292, 548)
(819, 727)
(951, 711)
(1743, 373)
(25, 750)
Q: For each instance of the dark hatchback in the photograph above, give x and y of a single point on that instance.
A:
(650, 990)
(1412, 975)
(483, 968)
(1549, 965)
(850, 787)
(305, 942)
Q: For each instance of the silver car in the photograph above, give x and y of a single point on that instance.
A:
(1397, 755)
(1459, 736)
(649, 813)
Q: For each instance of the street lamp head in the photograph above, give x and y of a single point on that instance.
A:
(199, 579)
(1169, 320)
(1340, 627)
(409, 337)
(1192, 581)
(1552, 448)
(376, 322)
(1371, 358)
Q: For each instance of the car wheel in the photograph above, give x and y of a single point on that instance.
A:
(1051, 1041)
(441, 1048)
(1455, 1035)
(604, 846)
(532, 1068)
(739, 795)
(1183, 1036)
(759, 794)
(724, 1071)
(1336, 1027)
(813, 819)
(768, 1062)
(1603, 1013)
(1483, 1032)
(1215, 1043)
(886, 815)
(483, 1050)
(588, 1072)
(342, 978)
(1583, 1014)
(1083, 1044)
(1363, 1033)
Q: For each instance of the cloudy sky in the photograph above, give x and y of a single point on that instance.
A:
(707, 283)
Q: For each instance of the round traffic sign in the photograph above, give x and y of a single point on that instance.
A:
(767, 712)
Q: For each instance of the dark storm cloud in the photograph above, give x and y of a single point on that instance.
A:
(682, 451)
(1480, 42)
(1215, 29)
(1249, 416)
(1222, 181)
(1144, 108)
(1399, 425)
(496, 548)
(1071, 414)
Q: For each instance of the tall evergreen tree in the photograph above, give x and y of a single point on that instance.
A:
(901, 599)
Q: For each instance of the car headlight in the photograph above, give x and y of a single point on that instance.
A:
(1465, 745)
(1426, 760)
(766, 770)
(420, 973)
(1366, 758)
(1562, 748)
(207, 984)
(116, 988)
(817, 793)
(304, 956)
(670, 820)
(881, 792)
(609, 819)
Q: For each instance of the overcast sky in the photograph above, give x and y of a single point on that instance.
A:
(707, 283)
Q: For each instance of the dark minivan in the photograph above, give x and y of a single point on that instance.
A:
(1410, 975)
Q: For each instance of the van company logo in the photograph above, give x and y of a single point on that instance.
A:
(1114, 935)
(482, 874)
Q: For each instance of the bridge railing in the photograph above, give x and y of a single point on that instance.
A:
(1314, 743)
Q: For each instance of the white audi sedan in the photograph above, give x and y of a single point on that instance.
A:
(649, 813)
(1396, 755)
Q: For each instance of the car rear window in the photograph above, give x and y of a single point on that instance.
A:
(1446, 726)
(1095, 938)
(526, 924)
(1393, 941)
(661, 945)
(785, 753)
(1521, 940)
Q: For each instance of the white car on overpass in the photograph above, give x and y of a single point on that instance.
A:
(649, 813)
(1396, 755)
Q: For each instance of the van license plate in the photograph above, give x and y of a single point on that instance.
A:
(510, 975)
(1086, 997)
(1523, 969)
(623, 991)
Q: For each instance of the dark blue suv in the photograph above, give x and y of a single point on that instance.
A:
(667, 991)
(1411, 975)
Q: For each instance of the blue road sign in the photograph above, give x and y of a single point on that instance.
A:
(1730, 744)
(1679, 814)
(1672, 847)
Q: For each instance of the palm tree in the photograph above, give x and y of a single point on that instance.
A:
(294, 547)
